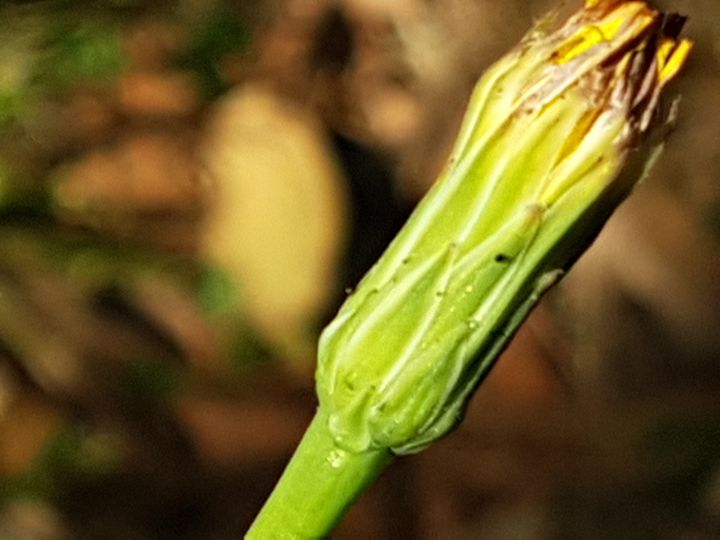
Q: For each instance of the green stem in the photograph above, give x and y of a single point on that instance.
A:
(319, 484)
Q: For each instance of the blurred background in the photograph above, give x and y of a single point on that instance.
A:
(188, 190)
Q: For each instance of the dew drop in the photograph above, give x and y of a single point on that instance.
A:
(335, 458)
(472, 324)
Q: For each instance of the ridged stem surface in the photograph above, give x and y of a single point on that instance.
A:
(318, 485)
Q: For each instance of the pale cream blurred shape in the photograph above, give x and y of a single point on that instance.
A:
(278, 213)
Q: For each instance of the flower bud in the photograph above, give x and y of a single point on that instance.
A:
(535, 173)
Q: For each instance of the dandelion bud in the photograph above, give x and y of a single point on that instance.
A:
(535, 173)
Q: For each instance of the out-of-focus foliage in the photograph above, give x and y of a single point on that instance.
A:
(68, 456)
(46, 51)
(219, 34)
(79, 51)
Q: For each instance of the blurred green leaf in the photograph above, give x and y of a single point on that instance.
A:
(47, 47)
(217, 293)
(20, 36)
(72, 455)
(10, 106)
(219, 33)
(79, 51)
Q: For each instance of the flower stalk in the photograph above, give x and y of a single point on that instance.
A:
(548, 149)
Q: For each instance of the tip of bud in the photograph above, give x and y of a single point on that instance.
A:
(671, 56)
(621, 53)
(603, 29)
